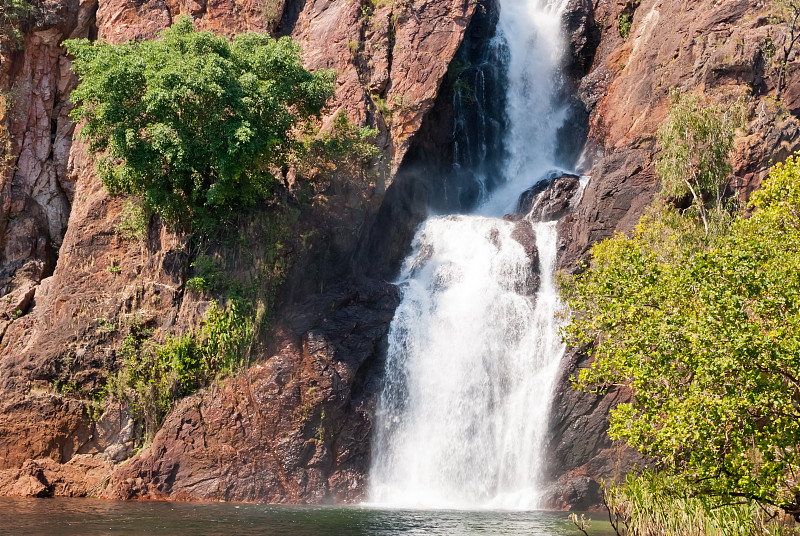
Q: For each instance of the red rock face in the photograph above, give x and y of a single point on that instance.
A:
(296, 426)
(35, 189)
(716, 50)
(293, 429)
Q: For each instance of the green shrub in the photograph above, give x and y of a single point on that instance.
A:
(651, 504)
(624, 23)
(383, 108)
(153, 376)
(209, 274)
(696, 141)
(704, 329)
(228, 334)
(345, 150)
(12, 14)
(193, 123)
(134, 222)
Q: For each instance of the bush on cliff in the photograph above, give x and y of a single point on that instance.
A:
(12, 14)
(696, 140)
(705, 331)
(192, 123)
(154, 376)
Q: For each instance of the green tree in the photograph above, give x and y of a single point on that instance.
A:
(705, 331)
(192, 123)
(12, 13)
(696, 141)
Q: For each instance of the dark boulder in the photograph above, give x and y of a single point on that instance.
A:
(550, 198)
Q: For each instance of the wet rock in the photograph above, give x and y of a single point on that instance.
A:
(550, 198)
(526, 236)
(579, 453)
(584, 37)
(576, 492)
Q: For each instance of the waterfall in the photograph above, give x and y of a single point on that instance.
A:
(473, 349)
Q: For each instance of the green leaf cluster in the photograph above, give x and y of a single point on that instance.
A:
(344, 149)
(696, 141)
(153, 376)
(705, 331)
(134, 221)
(12, 14)
(194, 124)
(624, 23)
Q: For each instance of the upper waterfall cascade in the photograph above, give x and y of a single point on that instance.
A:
(473, 349)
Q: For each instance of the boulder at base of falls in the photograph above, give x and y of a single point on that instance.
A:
(550, 198)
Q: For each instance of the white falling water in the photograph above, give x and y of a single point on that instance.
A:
(532, 32)
(473, 354)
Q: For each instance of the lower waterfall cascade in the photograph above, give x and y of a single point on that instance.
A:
(474, 346)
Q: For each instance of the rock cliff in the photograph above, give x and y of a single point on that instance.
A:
(295, 426)
(724, 50)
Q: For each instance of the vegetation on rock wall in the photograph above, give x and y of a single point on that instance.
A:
(192, 123)
(197, 128)
(12, 13)
(343, 150)
(698, 313)
(696, 139)
(153, 376)
(624, 23)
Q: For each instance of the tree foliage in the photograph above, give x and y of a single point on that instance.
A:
(696, 141)
(12, 14)
(153, 376)
(344, 149)
(705, 331)
(192, 123)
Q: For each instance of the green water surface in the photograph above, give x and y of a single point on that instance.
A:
(59, 516)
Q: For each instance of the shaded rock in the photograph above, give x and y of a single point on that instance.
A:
(526, 236)
(577, 492)
(584, 37)
(294, 429)
(614, 199)
(550, 198)
(579, 452)
(435, 175)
